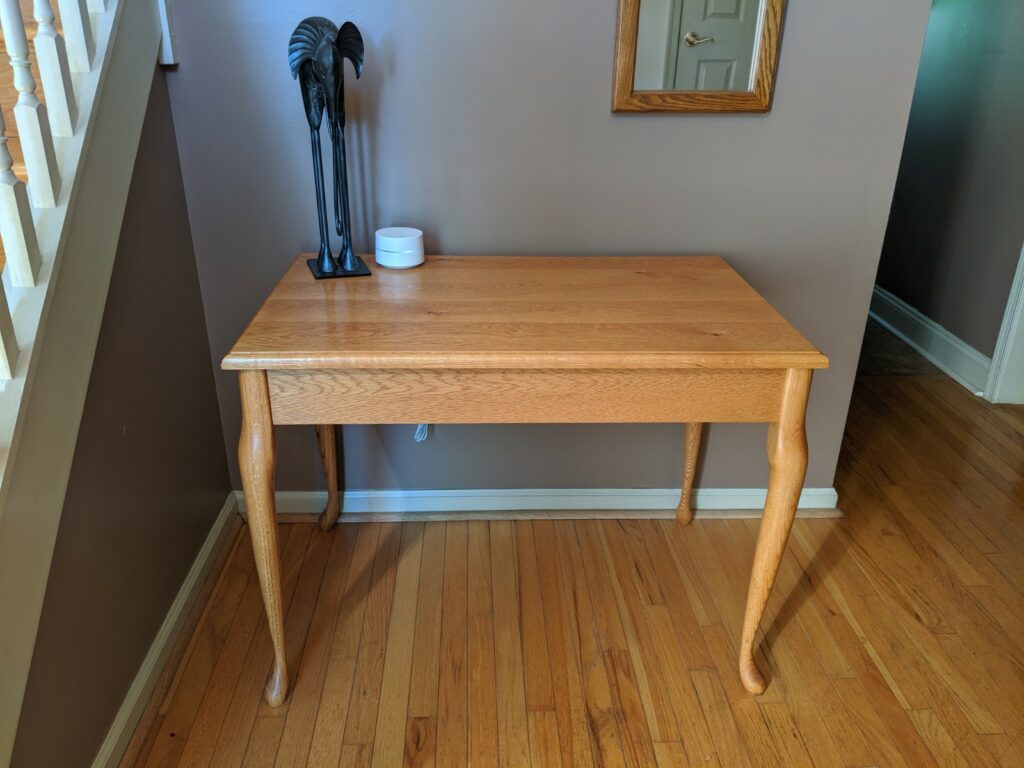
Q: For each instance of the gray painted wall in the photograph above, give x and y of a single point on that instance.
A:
(148, 477)
(488, 125)
(957, 223)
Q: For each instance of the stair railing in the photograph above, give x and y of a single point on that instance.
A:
(36, 126)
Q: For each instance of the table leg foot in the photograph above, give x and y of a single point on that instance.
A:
(327, 442)
(276, 690)
(751, 677)
(691, 447)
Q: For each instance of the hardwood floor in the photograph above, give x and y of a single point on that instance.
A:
(895, 635)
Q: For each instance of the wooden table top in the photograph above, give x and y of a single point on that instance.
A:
(523, 312)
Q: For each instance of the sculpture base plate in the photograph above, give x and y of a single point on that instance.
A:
(361, 270)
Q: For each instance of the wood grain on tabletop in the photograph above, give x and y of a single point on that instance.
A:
(523, 312)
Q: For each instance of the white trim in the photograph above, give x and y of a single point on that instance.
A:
(529, 503)
(948, 353)
(1006, 377)
(135, 700)
(168, 49)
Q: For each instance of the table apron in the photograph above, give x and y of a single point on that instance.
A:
(524, 396)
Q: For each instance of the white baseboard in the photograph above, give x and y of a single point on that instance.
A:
(945, 351)
(135, 700)
(531, 503)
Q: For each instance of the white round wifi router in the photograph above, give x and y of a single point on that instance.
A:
(399, 247)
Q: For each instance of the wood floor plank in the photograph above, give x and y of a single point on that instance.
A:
(483, 694)
(427, 643)
(689, 718)
(1000, 686)
(510, 674)
(452, 691)
(922, 670)
(670, 754)
(533, 635)
(479, 587)
(200, 662)
(596, 689)
(1002, 436)
(233, 739)
(201, 744)
(929, 686)
(724, 732)
(786, 735)
(544, 751)
(938, 740)
(677, 601)
(366, 687)
(269, 727)
(355, 756)
(602, 588)
(419, 740)
(889, 741)
(632, 597)
(309, 682)
(634, 735)
(792, 664)
(1010, 752)
(801, 666)
(747, 715)
(389, 733)
(575, 738)
(332, 714)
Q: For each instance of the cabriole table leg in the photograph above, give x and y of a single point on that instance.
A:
(691, 447)
(326, 439)
(787, 458)
(256, 461)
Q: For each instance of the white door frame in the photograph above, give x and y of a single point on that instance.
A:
(1006, 376)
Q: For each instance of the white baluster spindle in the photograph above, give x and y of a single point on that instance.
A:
(17, 230)
(74, 20)
(97, 6)
(8, 341)
(30, 115)
(52, 58)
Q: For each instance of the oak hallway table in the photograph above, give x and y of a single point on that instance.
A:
(523, 339)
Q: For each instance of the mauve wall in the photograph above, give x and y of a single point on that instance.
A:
(488, 125)
(148, 477)
(957, 223)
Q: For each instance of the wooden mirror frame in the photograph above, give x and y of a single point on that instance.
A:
(625, 99)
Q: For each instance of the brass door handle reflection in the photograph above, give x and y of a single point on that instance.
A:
(691, 39)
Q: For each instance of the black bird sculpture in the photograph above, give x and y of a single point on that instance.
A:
(316, 54)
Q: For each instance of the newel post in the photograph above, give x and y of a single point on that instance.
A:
(52, 57)
(30, 115)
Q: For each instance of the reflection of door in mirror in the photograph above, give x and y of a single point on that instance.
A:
(696, 45)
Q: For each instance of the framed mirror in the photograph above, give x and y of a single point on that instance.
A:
(696, 55)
